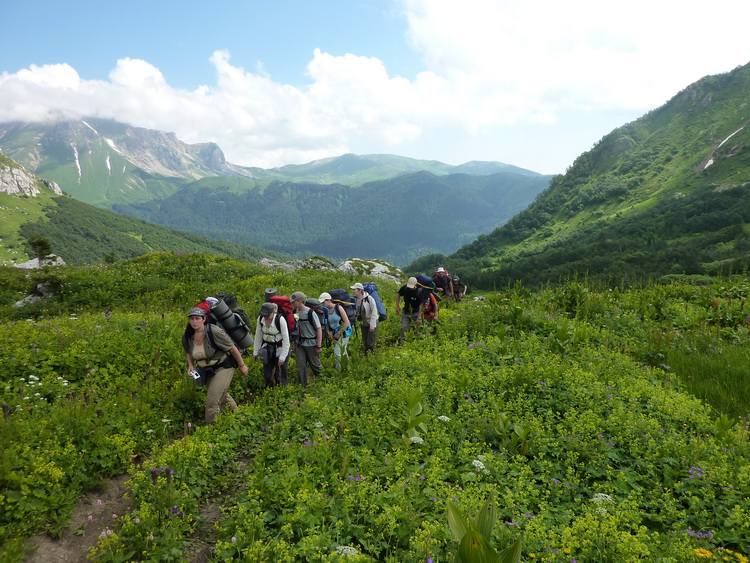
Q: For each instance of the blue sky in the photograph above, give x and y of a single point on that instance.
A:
(281, 82)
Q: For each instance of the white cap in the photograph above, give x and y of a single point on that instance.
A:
(324, 296)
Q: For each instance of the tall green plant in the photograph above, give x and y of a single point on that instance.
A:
(473, 535)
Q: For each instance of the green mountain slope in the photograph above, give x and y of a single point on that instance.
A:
(102, 161)
(82, 234)
(667, 193)
(396, 220)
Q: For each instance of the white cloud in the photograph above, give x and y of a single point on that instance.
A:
(492, 68)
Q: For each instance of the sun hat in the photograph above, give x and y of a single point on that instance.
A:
(298, 296)
(324, 296)
(267, 309)
(441, 269)
(196, 312)
(358, 286)
(411, 283)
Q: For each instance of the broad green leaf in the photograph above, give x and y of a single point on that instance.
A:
(458, 523)
(475, 548)
(487, 516)
(512, 553)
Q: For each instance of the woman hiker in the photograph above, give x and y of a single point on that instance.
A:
(208, 346)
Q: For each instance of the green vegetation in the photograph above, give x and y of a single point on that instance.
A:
(395, 220)
(83, 234)
(564, 418)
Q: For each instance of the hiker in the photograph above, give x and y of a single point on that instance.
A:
(367, 311)
(459, 289)
(208, 345)
(272, 344)
(339, 329)
(414, 299)
(431, 308)
(443, 284)
(310, 341)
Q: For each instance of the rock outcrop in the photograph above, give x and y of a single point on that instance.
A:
(19, 181)
(355, 266)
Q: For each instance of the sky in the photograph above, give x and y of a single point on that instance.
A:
(275, 82)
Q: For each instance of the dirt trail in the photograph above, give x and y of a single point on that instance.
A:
(82, 533)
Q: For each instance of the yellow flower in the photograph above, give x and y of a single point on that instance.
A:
(532, 555)
(703, 553)
(566, 550)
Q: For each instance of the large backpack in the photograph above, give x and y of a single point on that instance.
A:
(233, 325)
(431, 307)
(349, 303)
(372, 289)
(322, 311)
(426, 282)
(285, 308)
(232, 321)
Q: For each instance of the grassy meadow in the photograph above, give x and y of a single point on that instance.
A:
(579, 423)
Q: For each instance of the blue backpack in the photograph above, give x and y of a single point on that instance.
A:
(372, 289)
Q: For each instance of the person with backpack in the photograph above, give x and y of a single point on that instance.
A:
(414, 300)
(272, 344)
(459, 289)
(368, 315)
(443, 284)
(208, 349)
(339, 329)
(310, 341)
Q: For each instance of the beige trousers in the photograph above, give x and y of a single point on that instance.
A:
(217, 396)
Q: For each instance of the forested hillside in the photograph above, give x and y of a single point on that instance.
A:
(83, 234)
(396, 220)
(668, 193)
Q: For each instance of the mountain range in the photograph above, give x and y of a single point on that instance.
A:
(667, 194)
(385, 206)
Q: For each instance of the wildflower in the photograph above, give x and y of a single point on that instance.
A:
(151, 537)
(600, 499)
(318, 425)
(137, 520)
(99, 502)
(234, 539)
(444, 419)
(90, 518)
(704, 553)
(165, 420)
(114, 516)
(175, 509)
(346, 550)
(478, 464)
(416, 439)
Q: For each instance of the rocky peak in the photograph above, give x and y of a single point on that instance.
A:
(19, 181)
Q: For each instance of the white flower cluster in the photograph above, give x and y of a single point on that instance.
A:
(444, 418)
(600, 499)
(346, 550)
(416, 439)
(478, 464)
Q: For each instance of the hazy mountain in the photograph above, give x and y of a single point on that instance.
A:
(81, 233)
(666, 194)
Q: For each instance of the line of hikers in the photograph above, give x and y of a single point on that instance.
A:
(218, 331)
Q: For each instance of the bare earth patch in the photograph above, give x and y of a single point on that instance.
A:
(82, 533)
